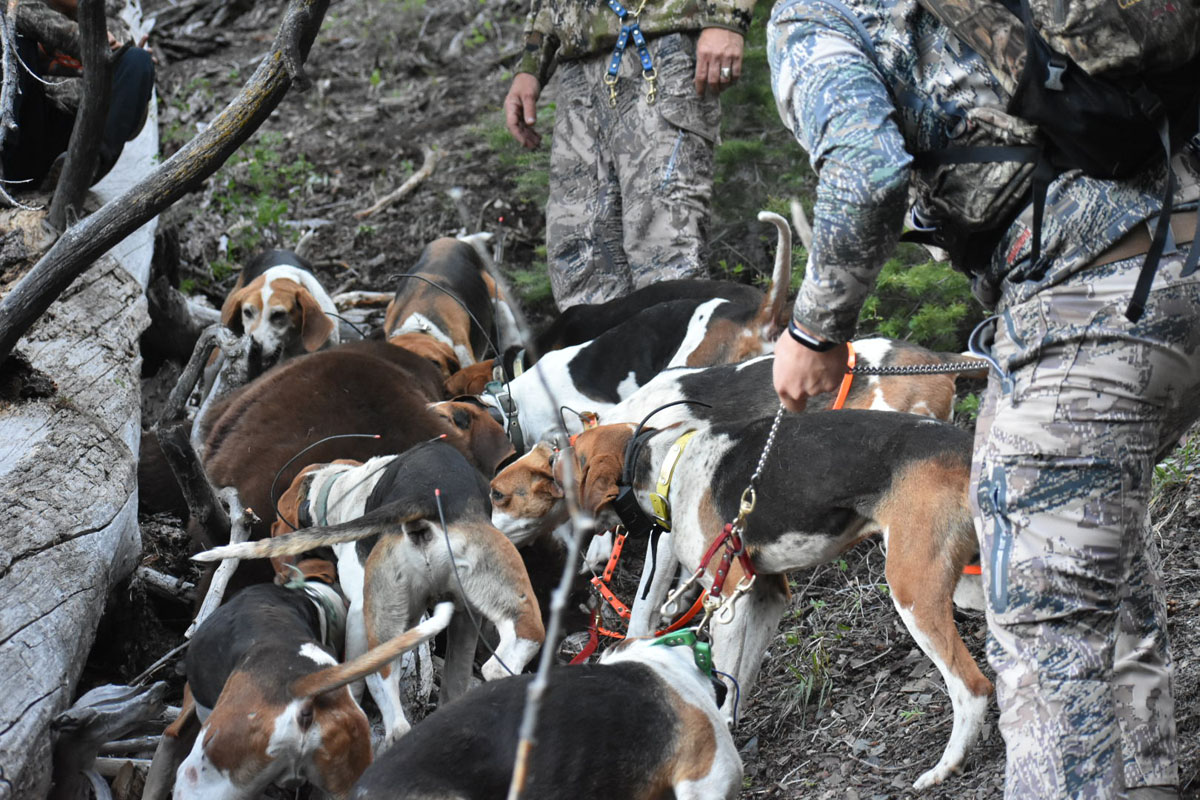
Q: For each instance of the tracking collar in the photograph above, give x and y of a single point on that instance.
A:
(498, 388)
(701, 651)
(331, 609)
(630, 512)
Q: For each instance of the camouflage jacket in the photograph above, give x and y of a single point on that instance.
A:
(567, 29)
(861, 115)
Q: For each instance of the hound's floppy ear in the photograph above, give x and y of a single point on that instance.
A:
(470, 380)
(598, 484)
(231, 311)
(315, 326)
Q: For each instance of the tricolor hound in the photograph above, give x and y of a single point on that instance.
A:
(643, 723)
(833, 478)
(395, 560)
(273, 700)
(681, 333)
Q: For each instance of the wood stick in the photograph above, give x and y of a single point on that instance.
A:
(431, 159)
(212, 524)
(167, 586)
(84, 242)
(108, 767)
(138, 745)
(83, 153)
(239, 533)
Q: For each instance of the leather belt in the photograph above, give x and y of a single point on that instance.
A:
(1137, 241)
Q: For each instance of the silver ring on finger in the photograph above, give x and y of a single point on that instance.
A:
(726, 73)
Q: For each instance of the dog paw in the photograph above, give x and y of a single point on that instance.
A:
(936, 775)
(493, 670)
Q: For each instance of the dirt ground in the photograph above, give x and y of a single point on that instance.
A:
(847, 706)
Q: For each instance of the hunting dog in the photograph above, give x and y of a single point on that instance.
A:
(601, 373)
(722, 394)
(450, 297)
(834, 478)
(643, 723)
(396, 559)
(272, 699)
(281, 306)
(369, 387)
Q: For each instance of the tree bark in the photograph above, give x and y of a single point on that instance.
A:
(84, 242)
(84, 150)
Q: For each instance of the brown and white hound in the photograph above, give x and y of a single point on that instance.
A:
(413, 562)
(643, 723)
(833, 478)
(281, 306)
(272, 700)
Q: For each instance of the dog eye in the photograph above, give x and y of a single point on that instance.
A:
(497, 496)
(278, 316)
(249, 312)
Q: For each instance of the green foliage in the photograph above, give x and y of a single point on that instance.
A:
(924, 301)
(967, 408)
(532, 284)
(531, 168)
(258, 187)
(1178, 469)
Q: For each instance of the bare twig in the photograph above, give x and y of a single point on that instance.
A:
(161, 662)
(431, 159)
(238, 533)
(84, 150)
(213, 336)
(83, 243)
(108, 767)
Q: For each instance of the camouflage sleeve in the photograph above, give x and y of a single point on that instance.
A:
(733, 15)
(832, 96)
(541, 42)
(37, 21)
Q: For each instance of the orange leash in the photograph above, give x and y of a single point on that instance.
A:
(844, 389)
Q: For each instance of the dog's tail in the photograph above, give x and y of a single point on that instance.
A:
(387, 518)
(373, 660)
(773, 315)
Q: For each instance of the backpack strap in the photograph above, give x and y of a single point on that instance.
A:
(1141, 290)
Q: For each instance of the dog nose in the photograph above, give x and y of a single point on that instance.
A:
(291, 783)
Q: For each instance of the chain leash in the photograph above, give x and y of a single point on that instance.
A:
(946, 368)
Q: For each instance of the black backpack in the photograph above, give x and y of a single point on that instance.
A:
(1103, 86)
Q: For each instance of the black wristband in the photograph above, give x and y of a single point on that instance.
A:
(808, 340)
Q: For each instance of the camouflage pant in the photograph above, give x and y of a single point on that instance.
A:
(629, 186)
(1065, 450)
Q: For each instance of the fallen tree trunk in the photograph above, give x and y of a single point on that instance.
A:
(79, 247)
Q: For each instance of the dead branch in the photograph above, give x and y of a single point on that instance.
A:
(167, 586)
(84, 150)
(139, 745)
(431, 159)
(240, 532)
(103, 714)
(83, 243)
(361, 299)
(213, 336)
(109, 767)
(210, 524)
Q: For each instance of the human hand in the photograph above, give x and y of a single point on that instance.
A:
(520, 109)
(800, 372)
(718, 60)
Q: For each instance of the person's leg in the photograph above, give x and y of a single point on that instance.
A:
(583, 213)
(664, 156)
(132, 85)
(1075, 614)
(43, 131)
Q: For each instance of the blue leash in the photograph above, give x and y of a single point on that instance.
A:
(630, 30)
